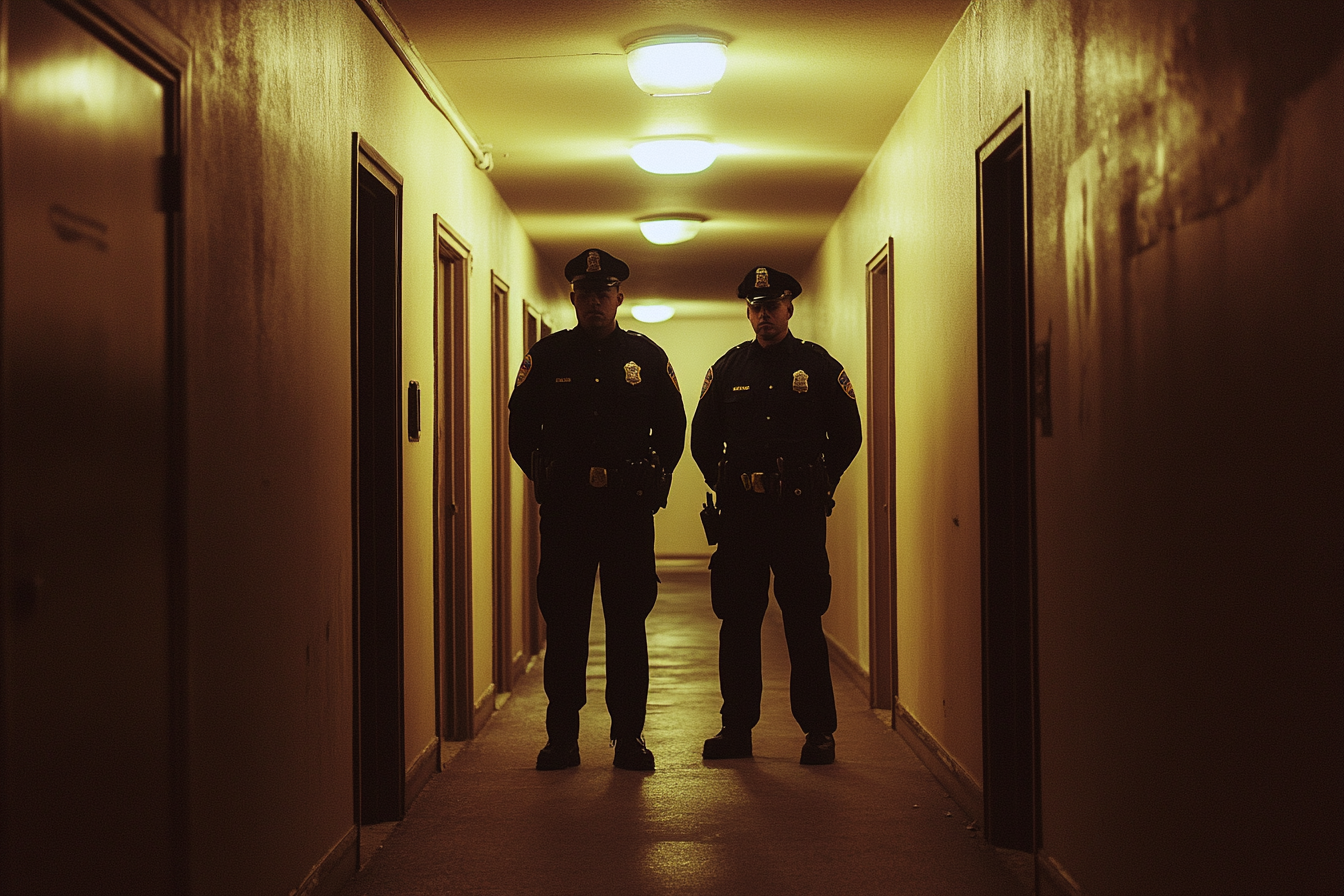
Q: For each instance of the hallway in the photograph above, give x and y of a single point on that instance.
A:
(875, 822)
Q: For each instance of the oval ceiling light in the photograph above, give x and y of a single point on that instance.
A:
(677, 64)
(652, 314)
(684, 155)
(667, 230)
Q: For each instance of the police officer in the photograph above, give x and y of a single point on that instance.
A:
(776, 426)
(596, 421)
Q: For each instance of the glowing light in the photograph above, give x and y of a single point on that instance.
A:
(666, 230)
(682, 155)
(677, 64)
(652, 314)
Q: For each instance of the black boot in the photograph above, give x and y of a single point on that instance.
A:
(819, 749)
(631, 754)
(729, 743)
(557, 755)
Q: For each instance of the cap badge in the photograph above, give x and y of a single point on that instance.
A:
(800, 381)
(594, 262)
(762, 278)
(632, 373)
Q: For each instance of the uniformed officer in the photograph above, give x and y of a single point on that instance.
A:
(776, 427)
(596, 421)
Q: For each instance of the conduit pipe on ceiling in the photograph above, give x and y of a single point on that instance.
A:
(396, 39)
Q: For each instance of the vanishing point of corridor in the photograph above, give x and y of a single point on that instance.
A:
(876, 822)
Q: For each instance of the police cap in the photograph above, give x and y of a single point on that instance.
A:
(767, 283)
(594, 265)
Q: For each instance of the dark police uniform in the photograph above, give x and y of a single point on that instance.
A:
(775, 429)
(598, 424)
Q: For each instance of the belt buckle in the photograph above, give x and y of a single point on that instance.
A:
(597, 477)
(758, 483)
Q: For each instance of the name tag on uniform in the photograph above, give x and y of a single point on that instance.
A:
(562, 379)
(741, 388)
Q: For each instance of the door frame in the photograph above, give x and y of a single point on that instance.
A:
(452, 486)
(385, 762)
(1005, 316)
(884, 673)
(501, 515)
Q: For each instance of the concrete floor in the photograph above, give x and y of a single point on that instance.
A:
(876, 822)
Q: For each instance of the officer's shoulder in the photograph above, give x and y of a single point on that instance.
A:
(814, 347)
(645, 343)
(734, 352)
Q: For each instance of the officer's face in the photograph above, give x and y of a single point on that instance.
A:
(595, 306)
(770, 320)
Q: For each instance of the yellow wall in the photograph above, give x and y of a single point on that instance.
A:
(268, 185)
(1188, 502)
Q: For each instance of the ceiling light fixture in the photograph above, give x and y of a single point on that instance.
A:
(652, 314)
(667, 230)
(677, 64)
(683, 155)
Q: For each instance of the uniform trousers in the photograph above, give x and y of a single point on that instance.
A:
(759, 535)
(577, 538)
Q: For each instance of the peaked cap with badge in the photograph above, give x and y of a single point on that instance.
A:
(596, 266)
(762, 283)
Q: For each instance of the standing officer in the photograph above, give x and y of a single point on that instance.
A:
(776, 426)
(596, 421)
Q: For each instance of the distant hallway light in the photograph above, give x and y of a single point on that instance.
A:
(652, 314)
(674, 156)
(667, 230)
(677, 64)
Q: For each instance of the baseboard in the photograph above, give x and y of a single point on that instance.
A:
(485, 707)
(424, 766)
(842, 658)
(965, 791)
(335, 870)
(1053, 880)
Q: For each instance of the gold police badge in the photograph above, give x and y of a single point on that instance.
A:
(632, 373)
(800, 381)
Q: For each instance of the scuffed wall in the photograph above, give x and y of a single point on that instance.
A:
(276, 92)
(1187, 203)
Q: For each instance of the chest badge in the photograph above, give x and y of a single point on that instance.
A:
(632, 373)
(800, 381)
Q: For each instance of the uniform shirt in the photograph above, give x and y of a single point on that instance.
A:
(596, 402)
(791, 400)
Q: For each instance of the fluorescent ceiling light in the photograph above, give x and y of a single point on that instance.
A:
(652, 314)
(665, 230)
(676, 64)
(674, 156)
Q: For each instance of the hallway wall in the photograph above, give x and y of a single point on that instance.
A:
(268, 317)
(1187, 195)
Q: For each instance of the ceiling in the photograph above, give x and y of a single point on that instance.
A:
(811, 90)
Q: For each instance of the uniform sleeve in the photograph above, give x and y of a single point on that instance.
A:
(707, 430)
(669, 429)
(525, 415)
(843, 425)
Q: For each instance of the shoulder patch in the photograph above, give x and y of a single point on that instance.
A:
(846, 384)
(709, 380)
(523, 370)
(672, 375)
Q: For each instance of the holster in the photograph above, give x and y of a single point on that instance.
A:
(540, 474)
(709, 518)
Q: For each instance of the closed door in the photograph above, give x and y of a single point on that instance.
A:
(88, 796)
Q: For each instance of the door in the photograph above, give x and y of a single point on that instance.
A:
(881, 481)
(92, 746)
(505, 651)
(380, 760)
(452, 511)
(534, 329)
(1007, 489)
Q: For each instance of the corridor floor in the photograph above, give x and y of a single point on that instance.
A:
(875, 822)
